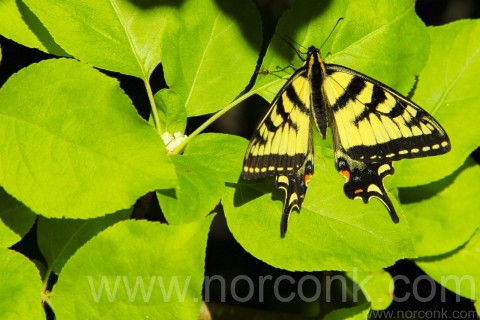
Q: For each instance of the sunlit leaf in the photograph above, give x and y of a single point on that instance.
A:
(74, 146)
(155, 272)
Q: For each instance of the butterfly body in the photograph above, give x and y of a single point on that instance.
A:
(372, 125)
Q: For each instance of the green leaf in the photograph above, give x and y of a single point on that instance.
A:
(377, 286)
(15, 220)
(448, 219)
(59, 239)
(355, 313)
(117, 35)
(457, 271)
(211, 55)
(172, 118)
(74, 144)
(374, 42)
(19, 24)
(332, 232)
(202, 171)
(142, 269)
(21, 287)
(448, 90)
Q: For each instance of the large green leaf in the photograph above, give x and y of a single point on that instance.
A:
(447, 219)
(208, 162)
(448, 89)
(374, 42)
(142, 269)
(377, 286)
(331, 232)
(118, 35)
(19, 24)
(74, 145)
(59, 239)
(457, 271)
(20, 297)
(211, 55)
(15, 220)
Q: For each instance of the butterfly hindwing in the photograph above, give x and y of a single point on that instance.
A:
(295, 187)
(364, 181)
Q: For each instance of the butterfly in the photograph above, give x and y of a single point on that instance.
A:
(372, 125)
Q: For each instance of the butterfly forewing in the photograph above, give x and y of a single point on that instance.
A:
(375, 123)
(283, 139)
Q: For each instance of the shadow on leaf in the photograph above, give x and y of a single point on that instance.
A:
(248, 190)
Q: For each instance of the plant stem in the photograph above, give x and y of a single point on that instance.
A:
(220, 113)
(44, 293)
(153, 107)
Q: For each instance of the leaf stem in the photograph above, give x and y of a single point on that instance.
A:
(153, 106)
(220, 113)
(44, 293)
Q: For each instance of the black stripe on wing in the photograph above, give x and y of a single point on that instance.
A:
(354, 88)
(413, 147)
(271, 164)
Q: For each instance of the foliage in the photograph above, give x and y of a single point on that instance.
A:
(76, 155)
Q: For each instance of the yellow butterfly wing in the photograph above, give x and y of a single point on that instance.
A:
(282, 145)
(283, 141)
(373, 125)
(372, 122)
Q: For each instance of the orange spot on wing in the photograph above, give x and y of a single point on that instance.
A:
(345, 173)
(358, 191)
(307, 178)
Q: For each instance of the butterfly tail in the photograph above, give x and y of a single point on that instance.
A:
(292, 200)
(383, 197)
(295, 187)
(284, 221)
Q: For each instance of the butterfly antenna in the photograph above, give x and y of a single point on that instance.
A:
(289, 41)
(336, 24)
